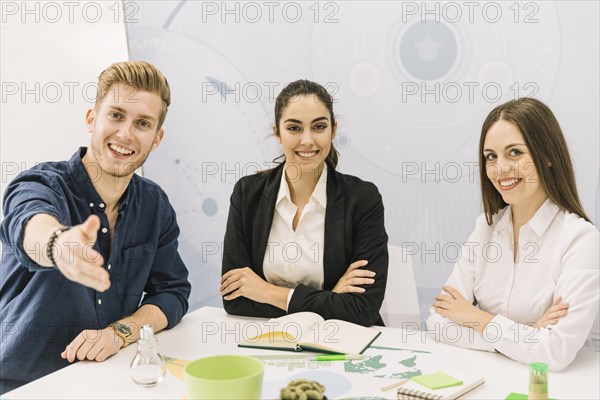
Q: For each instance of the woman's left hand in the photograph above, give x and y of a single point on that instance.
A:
(455, 307)
(243, 282)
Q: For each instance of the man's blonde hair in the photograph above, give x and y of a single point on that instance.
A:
(140, 75)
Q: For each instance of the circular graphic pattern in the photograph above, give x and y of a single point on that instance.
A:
(428, 50)
(210, 207)
(341, 141)
(365, 79)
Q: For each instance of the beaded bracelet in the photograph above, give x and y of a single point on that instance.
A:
(52, 242)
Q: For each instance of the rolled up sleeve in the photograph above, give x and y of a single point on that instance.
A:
(31, 193)
(168, 287)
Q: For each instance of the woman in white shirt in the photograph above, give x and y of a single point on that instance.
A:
(527, 281)
(302, 236)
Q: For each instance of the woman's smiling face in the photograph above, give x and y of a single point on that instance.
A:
(509, 165)
(305, 132)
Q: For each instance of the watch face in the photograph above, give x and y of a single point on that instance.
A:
(124, 329)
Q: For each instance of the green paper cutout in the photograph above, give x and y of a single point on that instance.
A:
(437, 380)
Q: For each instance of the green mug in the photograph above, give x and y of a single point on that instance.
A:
(224, 377)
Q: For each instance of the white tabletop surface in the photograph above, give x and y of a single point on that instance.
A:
(210, 331)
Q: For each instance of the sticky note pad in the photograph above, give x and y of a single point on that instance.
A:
(438, 380)
(518, 396)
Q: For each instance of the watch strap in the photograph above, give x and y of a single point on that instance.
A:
(123, 335)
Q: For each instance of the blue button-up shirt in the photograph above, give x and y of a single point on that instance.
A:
(41, 311)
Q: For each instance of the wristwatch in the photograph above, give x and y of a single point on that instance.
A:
(123, 331)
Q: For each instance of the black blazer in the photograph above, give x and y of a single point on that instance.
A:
(354, 230)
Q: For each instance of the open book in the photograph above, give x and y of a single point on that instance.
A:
(414, 390)
(309, 331)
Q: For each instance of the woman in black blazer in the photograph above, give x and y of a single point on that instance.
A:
(354, 257)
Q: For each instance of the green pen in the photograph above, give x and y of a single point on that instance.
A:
(338, 357)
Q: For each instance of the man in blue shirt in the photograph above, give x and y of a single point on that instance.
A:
(90, 248)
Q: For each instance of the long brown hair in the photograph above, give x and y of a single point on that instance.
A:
(548, 148)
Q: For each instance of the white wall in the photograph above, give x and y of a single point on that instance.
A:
(51, 54)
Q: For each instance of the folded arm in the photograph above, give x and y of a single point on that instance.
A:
(369, 243)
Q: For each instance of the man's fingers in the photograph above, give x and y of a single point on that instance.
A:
(92, 354)
(90, 228)
(91, 338)
(70, 353)
(85, 267)
(97, 278)
(103, 354)
(90, 256)
(83, 350)
(72, 347)
(90, 274)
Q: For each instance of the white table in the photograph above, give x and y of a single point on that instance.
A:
(210, 331)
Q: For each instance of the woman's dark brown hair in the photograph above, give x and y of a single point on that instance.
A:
(548, 148)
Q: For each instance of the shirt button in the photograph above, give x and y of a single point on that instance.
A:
(101, 205)
(91, 204)
(109, 266)
(104, 230)
(99, 301)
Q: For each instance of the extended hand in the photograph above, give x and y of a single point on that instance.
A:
(93, 345)
(553, 314)
(76, 258)
(244, 282)
(353, 277)
(455, 307)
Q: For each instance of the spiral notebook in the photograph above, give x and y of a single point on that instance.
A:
(414, 390)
